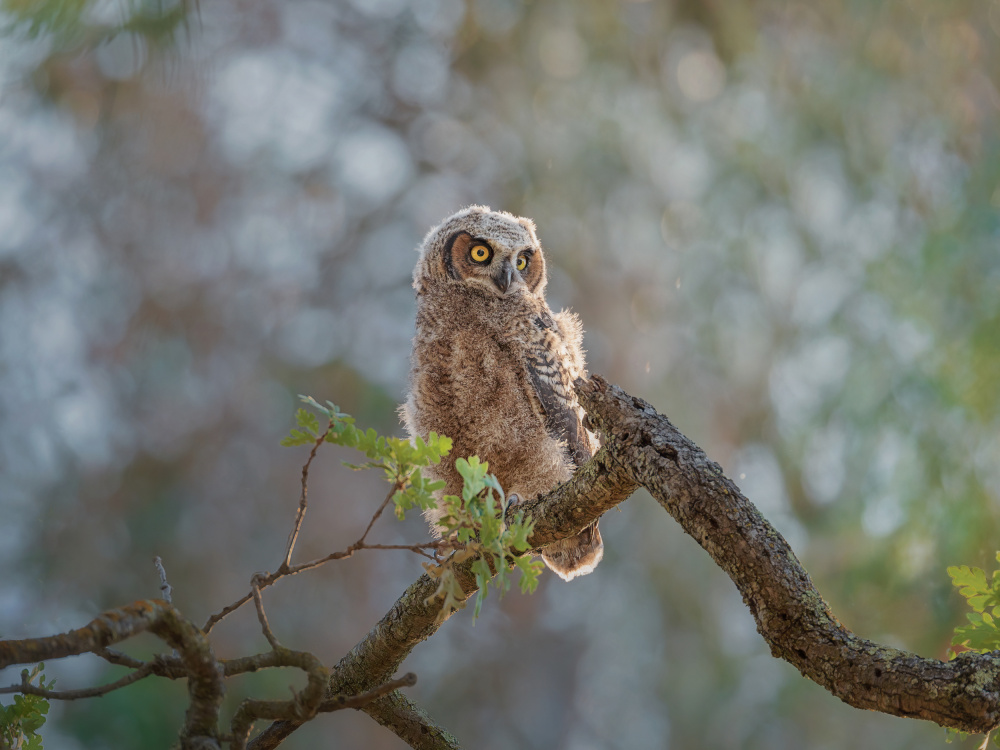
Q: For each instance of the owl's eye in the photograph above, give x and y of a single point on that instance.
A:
(521, 263)
(480, 253)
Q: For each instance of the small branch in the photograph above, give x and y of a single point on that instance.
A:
(338, 702)
(287, 569)
(27, 688)
(285, 725)
(438, 544)
(119, 659)
(791, 614)
(377, 515)
(303, 706)
(219, 616)
(410, 723)
(414, 616)
(159, 617)
(269, 579)
(303, 499)
(262, 616)
(165, 588)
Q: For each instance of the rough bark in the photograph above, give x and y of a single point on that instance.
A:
(597, 487)
(643, 448)
(205, 684)
(790, 613)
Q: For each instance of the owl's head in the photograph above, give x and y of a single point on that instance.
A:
(493, 252)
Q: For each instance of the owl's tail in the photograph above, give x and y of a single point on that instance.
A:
(577, 555)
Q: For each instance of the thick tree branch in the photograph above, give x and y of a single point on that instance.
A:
(414, 616)
(642, 448)
(790, 613)
(302, 707)
(205, 685)
(410, 723)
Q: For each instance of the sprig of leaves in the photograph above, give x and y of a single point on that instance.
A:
(983, 595)
(399, 459)
(982, 634)
(477, 520)
(20, 721)
(474, 521)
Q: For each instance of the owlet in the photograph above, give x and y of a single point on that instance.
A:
(493, 367)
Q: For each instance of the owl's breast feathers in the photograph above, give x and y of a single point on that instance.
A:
(497, 377)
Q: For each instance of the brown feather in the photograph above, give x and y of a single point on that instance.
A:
(493, 369)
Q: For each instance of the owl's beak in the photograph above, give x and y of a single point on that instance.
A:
(503, 276)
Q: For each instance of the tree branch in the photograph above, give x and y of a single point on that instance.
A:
(643, 449)
(790, 613)
(414, 616)
(410, 723)
(205, 685)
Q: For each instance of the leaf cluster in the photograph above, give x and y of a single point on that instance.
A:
(474, 522)
(477, 520)
(20, 721)
(983, 595)
(399, 459)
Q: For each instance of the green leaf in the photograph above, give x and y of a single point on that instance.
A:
(971, 583)
(448, 590)
(475, 518)
(20, 722)
(530, 571)
(982, 633)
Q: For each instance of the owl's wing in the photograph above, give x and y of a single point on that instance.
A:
(553, 387)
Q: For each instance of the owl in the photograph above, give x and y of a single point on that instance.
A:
(493, 367)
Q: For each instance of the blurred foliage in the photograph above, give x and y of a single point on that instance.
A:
(72, 24)
(778, 221)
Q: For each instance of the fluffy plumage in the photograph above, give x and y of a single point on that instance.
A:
(493, 366)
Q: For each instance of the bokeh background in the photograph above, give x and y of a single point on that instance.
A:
(779, 221)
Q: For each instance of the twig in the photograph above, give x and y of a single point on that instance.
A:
(204, 679)
(439, 544)
(303, 498)
(285, 725)
(338, 702)
(286, 568)
(268, 579)
(378, 513)
(303, 705)
(410, 723)
(262, 616)
(165, 588)
(119, 659)
(215, 619)
(71, 695)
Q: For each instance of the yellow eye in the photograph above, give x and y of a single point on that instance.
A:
(522, 263)
(480, 253)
